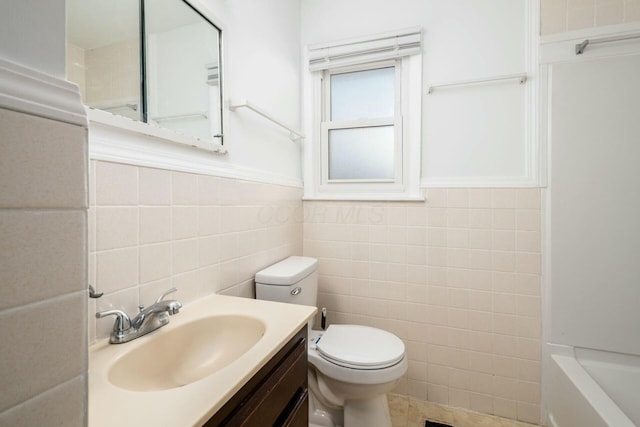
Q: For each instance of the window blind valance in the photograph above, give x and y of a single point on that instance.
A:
(363, 50)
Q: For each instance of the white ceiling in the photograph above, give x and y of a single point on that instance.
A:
(95, 23)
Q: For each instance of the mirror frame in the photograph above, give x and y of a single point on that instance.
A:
(215, 140)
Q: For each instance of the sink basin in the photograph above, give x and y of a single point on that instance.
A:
(187, 353)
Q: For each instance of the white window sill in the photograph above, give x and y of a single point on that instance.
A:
(365, 198)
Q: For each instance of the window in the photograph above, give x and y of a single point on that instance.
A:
(361, 130)
(366, 127)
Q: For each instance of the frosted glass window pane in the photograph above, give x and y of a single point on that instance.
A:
(361, 153)
(366, 94)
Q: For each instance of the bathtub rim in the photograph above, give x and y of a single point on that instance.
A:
(564, 357)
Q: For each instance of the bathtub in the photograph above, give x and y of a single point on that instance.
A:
(592, 388)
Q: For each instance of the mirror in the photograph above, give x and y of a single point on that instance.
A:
(103, 54)
(155, 61)
(182, 64)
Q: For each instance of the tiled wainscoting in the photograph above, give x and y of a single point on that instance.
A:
(456, 277)
(151, 229)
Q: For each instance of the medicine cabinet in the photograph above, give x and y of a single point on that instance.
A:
(154, 61)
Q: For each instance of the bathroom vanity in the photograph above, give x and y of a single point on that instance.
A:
(220, 361)
(277, 395)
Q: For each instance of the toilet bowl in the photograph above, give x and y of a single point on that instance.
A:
(354, 367)
(351, 367)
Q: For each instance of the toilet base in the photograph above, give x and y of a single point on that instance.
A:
(318, 419)
(352, 406)
(367, 413)
(356, 413)
(322, 415)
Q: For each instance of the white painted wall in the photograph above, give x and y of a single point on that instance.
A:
(475, 136)
(32, 34)
(261, 43)
(594, 268)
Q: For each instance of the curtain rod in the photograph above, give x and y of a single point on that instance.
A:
(580, 47)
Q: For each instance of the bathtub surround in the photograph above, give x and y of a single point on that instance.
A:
(456, 277)
(151, 229)
(591, 251)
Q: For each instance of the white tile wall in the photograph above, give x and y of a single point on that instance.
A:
(57, 328)
(43, 298)
(152, 229)
(62, 405)
(41, 163)
(457, 278)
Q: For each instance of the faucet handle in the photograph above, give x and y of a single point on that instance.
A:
(170, 291)
(122, 322)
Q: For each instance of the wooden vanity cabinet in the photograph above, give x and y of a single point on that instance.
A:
(276, 396)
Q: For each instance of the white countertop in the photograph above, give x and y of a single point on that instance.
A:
(192, 404)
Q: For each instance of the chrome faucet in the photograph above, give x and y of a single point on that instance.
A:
(147, 320)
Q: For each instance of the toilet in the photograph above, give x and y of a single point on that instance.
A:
(351, 367)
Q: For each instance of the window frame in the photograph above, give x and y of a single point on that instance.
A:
(406, 185)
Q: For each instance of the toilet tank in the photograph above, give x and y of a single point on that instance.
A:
(293, 280)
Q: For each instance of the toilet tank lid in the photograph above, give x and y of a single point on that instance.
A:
(288, 271)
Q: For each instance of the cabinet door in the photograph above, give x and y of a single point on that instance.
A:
(298, 415)
(276, 396)
(270, 401)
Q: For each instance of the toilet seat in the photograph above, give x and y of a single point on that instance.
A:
(356, 376)
(357, 354)
(360, 347)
